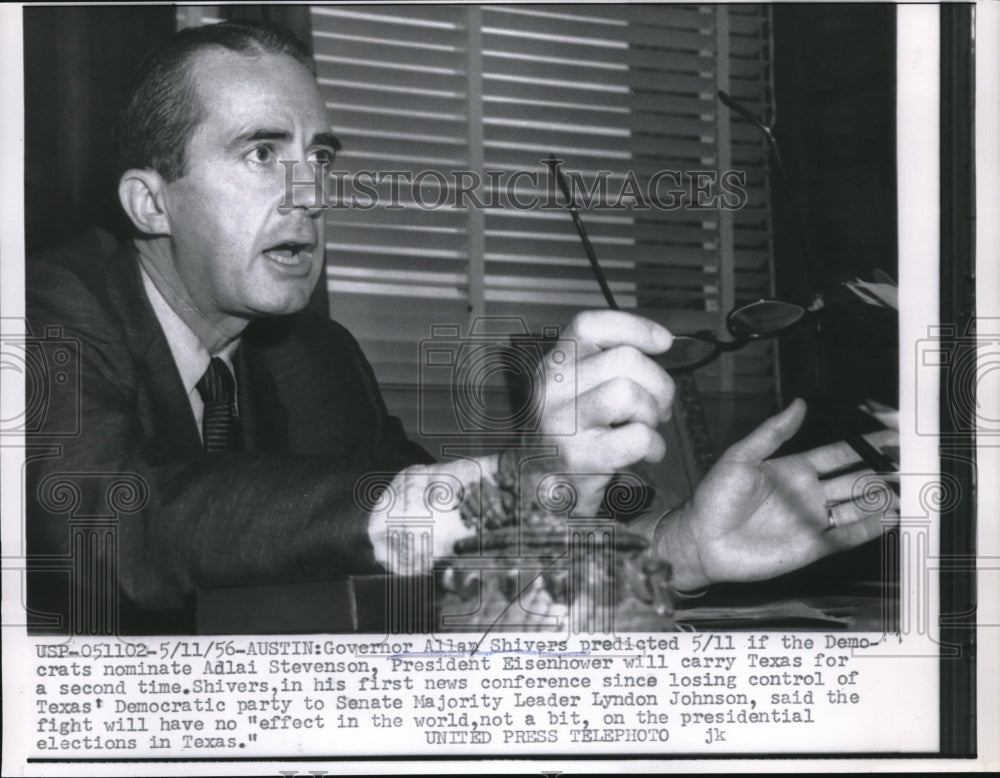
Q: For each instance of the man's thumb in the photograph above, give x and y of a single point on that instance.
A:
(768, 437)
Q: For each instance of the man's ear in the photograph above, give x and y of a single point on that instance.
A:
(143, 198)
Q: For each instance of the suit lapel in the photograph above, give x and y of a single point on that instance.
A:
(263, 421)
(168, 402)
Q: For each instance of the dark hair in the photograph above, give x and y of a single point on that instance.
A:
(162, 109)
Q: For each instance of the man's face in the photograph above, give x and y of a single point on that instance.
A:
(241, 252)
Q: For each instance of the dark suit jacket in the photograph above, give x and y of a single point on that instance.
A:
(119, 441)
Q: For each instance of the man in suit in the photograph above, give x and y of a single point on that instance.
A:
(228, 428)
(214, 251)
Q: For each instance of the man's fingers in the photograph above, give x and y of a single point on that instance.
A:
(835, 456)
(863, 487)
(595, 331)
(612, 449)
(627, 362)
(617, 402)
(853, 533)
(614, 382)
(875, 501)
(768, 437)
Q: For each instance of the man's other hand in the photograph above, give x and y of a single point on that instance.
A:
(753, 518)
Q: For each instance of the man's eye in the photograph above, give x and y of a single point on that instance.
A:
(262, 154)
(321, 156)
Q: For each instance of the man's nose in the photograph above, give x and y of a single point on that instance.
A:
(304, 187)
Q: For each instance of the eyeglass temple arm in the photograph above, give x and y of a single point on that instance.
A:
(588, 247)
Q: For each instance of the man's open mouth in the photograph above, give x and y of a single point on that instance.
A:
(289, 253)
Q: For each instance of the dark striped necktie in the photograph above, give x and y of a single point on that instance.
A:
(220, 431)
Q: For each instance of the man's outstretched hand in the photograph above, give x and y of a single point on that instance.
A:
(754, 518)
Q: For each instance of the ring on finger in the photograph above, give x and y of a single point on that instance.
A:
(831, 521)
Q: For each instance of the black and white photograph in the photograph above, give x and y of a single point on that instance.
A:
(421, 387)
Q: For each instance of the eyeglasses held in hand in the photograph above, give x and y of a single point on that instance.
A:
(746, 323)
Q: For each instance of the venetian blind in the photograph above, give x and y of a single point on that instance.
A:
(619, 93)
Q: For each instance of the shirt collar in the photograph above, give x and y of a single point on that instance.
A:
(190, 355)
